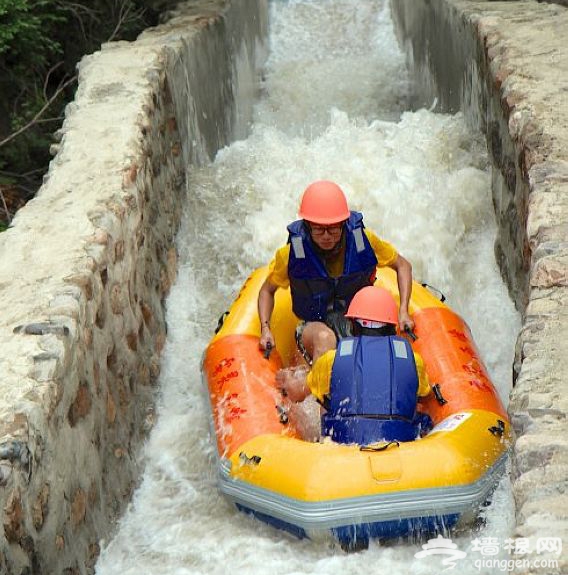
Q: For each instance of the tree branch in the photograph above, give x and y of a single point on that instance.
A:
(6, 210)
(125, 14)
(46, 120)
(77, 10)
(35, 119)
(47, 76)
(125, 8)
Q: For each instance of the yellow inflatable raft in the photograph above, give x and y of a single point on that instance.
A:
(355, 493)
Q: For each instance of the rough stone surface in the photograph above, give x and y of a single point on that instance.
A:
(86, 267)
(505, 65)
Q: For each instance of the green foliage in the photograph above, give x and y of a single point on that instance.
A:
(29, 47)
(41, 42)
(26, 28)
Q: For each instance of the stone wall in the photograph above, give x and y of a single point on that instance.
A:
(505, 65)
(85, 269)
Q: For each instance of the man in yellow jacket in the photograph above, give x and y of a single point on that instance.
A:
(330, 255)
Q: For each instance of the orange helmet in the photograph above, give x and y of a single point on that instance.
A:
(373, 304)
(324, 202)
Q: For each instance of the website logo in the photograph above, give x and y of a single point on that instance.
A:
(499, 556)
(442, 546)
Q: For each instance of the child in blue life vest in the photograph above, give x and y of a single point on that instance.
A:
(368, 386)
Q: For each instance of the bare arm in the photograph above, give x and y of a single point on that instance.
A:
(265, 307)
(403, 270)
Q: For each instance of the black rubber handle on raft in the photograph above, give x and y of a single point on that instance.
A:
(410, 333)
(441, 296)
(499, 429)
(267, 351)
(245, 460)
(376, 448)
(221, 321)
(282, 414)
(438, 394)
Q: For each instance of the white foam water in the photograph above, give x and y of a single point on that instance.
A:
(333, 104)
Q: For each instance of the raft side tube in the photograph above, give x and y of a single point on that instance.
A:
(242, 318)
(452, 361)
(379, 508)
(242, 390)
(457, 452)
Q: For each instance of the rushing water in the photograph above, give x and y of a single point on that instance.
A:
(334, 94)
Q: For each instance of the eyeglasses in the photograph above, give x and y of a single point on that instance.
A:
(318, 231)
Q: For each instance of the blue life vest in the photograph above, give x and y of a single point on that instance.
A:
(314, 291)
(373, 390)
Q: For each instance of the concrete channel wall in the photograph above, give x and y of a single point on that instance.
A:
(505, 65)
(85, 270)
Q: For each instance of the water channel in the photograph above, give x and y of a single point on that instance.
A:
(332, 104)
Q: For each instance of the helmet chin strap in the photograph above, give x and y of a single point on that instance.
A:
(386, 329)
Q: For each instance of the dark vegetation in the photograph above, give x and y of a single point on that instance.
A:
(41, 42)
